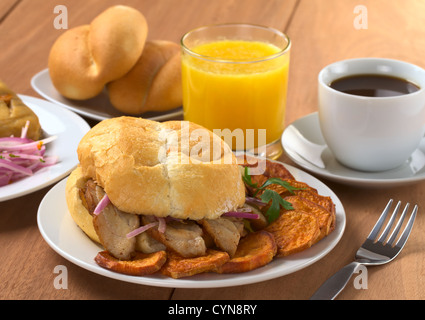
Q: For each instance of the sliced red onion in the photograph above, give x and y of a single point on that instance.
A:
(5, 178)
(101, 205)
(34, 145)
(10, 141)
(238, 214)
(48, 161)
(140, 230)
(162, 225)
(22, 156)
(15, 167)
(255, 201)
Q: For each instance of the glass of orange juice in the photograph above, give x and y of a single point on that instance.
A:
(234, 79)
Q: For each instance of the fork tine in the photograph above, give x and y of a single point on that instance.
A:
(402, 241)
(398, 226)
(375, 231)
(390, 223)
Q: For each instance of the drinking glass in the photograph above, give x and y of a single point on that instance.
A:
(234, 79)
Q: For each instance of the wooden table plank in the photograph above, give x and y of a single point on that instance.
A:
(7, 6)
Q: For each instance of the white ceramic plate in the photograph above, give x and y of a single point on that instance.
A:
(98, 108)
(304, 144)
(69, 129)
(67, 239)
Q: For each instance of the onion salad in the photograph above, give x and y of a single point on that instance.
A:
(21, 157)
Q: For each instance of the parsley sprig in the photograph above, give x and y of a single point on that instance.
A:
(270, 195)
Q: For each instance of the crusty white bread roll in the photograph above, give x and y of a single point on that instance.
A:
(152, 168)
(153, 84)
(83, 59)
(14, 114)
(79, 213)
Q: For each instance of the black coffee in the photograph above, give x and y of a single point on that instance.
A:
(371, 85)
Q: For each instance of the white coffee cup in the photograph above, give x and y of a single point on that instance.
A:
(372, 133)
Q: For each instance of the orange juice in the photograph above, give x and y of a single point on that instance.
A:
(231, 84)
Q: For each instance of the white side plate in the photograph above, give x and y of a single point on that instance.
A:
(98, 108)
(69, 129)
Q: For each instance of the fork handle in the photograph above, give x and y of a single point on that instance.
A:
(334, 285)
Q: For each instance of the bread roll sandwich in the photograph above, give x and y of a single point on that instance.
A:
(145, 186)
(171, 197)
(14, 115)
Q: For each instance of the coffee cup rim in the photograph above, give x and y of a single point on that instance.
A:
(371, 59)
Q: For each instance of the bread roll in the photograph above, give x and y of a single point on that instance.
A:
(153, 84)
(14, 114)
(152, 168)
(83, 59)
(76, 208)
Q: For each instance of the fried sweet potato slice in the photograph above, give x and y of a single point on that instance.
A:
(179, 267)
(142, 264)
(278, 170)
(325, 202)
(304, 191)
(302, 186)
(294, 231)
(272, 169)
(255, 250)
(324, 216)
(308, 193)
(261, 171)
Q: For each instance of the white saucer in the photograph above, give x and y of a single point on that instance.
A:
(304, 144)
(98, 108)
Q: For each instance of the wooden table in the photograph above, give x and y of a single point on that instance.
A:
(322, 31)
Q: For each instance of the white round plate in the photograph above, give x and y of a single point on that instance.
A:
(98, 108)
(69, 129)
(68, 240)
(304, 144)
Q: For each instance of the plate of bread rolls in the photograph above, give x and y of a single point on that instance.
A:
(107, 68)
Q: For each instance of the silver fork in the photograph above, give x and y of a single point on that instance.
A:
(372, 252)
